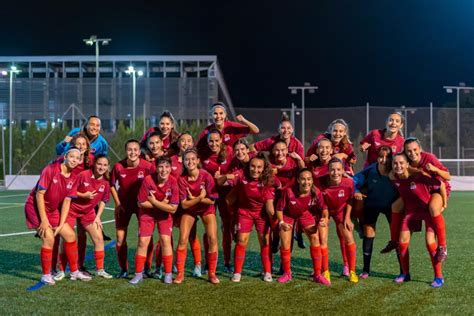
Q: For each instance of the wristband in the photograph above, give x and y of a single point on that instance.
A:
(281, 222)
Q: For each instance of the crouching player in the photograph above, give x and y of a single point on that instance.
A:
(158, 199)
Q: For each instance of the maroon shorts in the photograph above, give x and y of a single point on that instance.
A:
(147, 220)
(84, 219)
(211, 210)
(33, 220)
(124, 217)
(413, 221)
(247, 219)
(337, 217)
(305, 220)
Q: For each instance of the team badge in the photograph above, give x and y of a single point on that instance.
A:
(341, 193)
(141, 174)
(55, 180)
(152, 191)
(123, 175)
(69, 185)
(316, 172)
(202, 186)
(174, 167)
(226, 137)
(336, 150)
(102, 188)
(412, 186)
(206, 162)
(293, 202)
(377, 144)
(397, 184)
(394, 149)
(86, 184)
(168, 193)
(244, 182)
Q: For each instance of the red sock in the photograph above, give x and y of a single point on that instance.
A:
(395, 225)
(316, 258)
(71, 252)
(440, 229)
(99, 259)
(81, 249)
(351, 255)
(122, 256)
(139, 263)
(265, 256)
(212, 262)
(342, 245)
(285, 255)
(54, 262)
(158, 255)
(168, 263)
(404, 257)
(196, 250)
(149, 255)
(239, 257)
(180, 259)
(324, 259)
(46, 256)
(435, 263)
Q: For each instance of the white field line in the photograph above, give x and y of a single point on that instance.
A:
(13, 195)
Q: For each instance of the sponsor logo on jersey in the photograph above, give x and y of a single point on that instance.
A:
(152, 191)
(377, 144)
(394, 149)
(206, 162)
(141, 174)
(55, 180)
(174, 167)
(226, 137)
(69, 185)
(293, 202)
(102, 188)
(412, 186)
(86, 184)
(123, 175)
(244, 181)
(336, 150)
(341, 193)
(168, 193)
(202, 186)
(397, 184)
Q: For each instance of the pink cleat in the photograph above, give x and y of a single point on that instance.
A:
(321, 280)
(286, 277)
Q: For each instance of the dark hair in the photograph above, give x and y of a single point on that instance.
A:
(132, 140)
(267, 174)
(174, 146)
(88, 150)
(163, 159)
(402, 154)
(313, 188)
(153, 134)
(84, 128)
(324, 139)
(102, 156)
(410, 140)
(336, 160)
(188, 151)
(242, 141)
(222, 154)
(276, 143)
(387, 151)
(173, 134)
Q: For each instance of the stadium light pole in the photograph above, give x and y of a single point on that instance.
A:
(13, 71)
(91, 41)
(134, 73)
(450, 89)
(294, 90)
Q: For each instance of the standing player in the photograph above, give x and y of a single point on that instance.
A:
(46, 210)
(390, 136)
(167, 130)
(158, 199)
(231, 131)
(414, 188)
(242, 155)
(197, 195)
(128, 174)
(338, 196)
(300, 204)
(319, 162)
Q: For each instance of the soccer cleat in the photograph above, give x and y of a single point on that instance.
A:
(228, 269)
(300, 240)
(168, 279)
(136, 279)
(197, 271)
(79, 275)
(59, 276)
(286, 277)
(175, 270)
(205, 271)
(147, 274)
(48, 279)
(122, 275)
(391, 245)
(441, 254)
(213, 278)
(402, 278)
(345, 271)
(84, 270)
(364, 275)
(103, 274)
(267, 277)
(158, 274)
(321, 280)
(179, 278)
(327, 275)
(353, 278)
(236, 277)
(437, 282)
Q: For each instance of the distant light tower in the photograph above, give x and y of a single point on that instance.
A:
(91, 41)
(294, 90)
(134, 73)
(13, 71)
(405, 110)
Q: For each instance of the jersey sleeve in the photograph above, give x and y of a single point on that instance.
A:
(263, 145)
(268, 193)
(240, 130)
(45, 179)
(360, 179)
(281, 204)
(211, 190)
(368, 138)
(106, 195)
(144, 190)
(183, 194)
(174, 198)
(114, 175)
(72, 193)
(300, 149)
(320, 203)
(350, 153)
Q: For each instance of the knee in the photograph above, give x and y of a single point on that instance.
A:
(212, 240)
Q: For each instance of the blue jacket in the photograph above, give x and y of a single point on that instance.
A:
(98, 146)
(380, 191)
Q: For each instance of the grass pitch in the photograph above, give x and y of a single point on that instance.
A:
(20, 269)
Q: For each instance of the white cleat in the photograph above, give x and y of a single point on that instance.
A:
(59, 276)
(48, 279)
(136, 279)
(103, 274)
(78, 275)
(267, 277)
(197, 271)
(236, 277)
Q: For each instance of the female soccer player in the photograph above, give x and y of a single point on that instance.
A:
(158, 199)
(319, 165)
(285, 165)
(154, 147)
(231, 131)
(338, 196)
(338, 133)
(197, 195)
(414, 188)
(167, 130)
(300, 204)
(93, 190)
(242, 155)
(378, 198)
(390, 136)
(254, 202)
(46, 210)
(285, 134)
(129, 174)
(92, 130)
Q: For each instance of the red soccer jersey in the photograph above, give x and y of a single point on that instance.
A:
(176, 166)
(294, 146)
(130, 180)
(168, 190)
(251, 194)
(210, 163)
(236, 165)
(166, 140)
(337, 196)
(203, 181)
(294, 206)
(430, 158)
(320, 173)
(339, 148)
(87, 182)
(286, 174)
(230, 134)
(57, 188)
(415, 191)
(376, 139)
(80, 167)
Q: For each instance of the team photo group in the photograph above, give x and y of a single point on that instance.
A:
(171, 181)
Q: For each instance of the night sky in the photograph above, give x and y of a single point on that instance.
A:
(383, 52)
